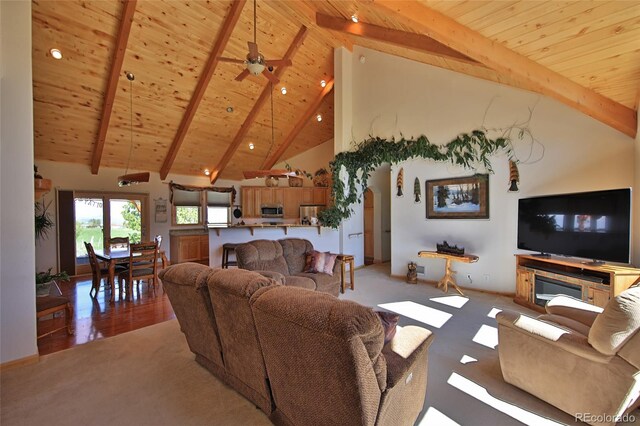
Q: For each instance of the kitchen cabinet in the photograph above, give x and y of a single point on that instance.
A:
(190, 248)
(253, 197)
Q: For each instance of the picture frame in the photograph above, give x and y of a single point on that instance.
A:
(458, 198)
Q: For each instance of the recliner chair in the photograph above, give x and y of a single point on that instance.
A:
(580, 358)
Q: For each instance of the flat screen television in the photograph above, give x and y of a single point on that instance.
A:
(592, 225)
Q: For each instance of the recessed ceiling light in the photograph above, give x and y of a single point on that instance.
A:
(207, 172)
(283, 90)
(319, 117)
(56, 54)
(323, 83)
(229, 109)
(354, 18)
(251, 145)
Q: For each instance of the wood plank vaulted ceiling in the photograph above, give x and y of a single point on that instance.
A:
(590, 50)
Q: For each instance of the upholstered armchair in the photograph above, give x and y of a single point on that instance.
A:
(580, 358)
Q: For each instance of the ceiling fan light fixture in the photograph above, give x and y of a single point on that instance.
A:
(255, 68)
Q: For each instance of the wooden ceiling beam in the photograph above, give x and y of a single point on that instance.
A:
(304, 119)
(122, 39)
(203, 82)
(414, 41)
(244, 128)
(509, 63)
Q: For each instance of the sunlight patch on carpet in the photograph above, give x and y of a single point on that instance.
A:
(436, 417)
(418, 312)
(493, 312)
(454, 301)
(466, 359)
(478, 392)
(487, 336)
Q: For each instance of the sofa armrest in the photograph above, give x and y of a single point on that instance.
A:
(276, 276)
(402, 352)
(573, 308)
(552, 334)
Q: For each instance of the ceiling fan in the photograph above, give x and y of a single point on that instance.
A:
(255, 63)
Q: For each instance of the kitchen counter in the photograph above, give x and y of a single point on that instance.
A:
(254, 226)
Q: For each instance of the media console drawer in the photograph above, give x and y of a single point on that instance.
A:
(540, 278)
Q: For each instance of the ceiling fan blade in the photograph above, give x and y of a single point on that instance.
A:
(272, 78)
(232, 60)
(242, 75)
(251, 174)
(253, 50)
(278, 62)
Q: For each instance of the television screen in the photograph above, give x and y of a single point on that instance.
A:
(593, 225)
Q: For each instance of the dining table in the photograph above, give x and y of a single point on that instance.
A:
(117, 257)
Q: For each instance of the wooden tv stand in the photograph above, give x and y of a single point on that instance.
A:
(598, 283)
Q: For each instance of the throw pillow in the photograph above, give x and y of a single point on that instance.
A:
(389, 322)
(329, 263)
(314, 262)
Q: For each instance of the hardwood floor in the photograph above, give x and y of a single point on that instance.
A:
(95, 319)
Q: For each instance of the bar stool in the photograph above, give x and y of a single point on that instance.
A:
(226, 249)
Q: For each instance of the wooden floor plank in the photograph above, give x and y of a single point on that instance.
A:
(95, 319)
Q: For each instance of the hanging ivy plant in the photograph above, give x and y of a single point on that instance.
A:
(467, 150)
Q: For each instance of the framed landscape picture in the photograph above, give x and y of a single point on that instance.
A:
(458, 198)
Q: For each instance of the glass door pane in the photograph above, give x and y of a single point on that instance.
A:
(89, 217)
(125, 220)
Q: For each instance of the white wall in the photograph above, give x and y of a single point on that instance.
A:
(78, 177)
(17, 257)
(393, 95)
(636, 197)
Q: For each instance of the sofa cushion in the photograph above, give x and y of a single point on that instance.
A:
(261, 255)
(619, 321)
(317, 261)
(294, 251)
(323, 282)
(298, 281)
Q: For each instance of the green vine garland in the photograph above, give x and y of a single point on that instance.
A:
(467, 150)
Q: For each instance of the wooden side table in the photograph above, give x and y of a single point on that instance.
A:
(346, 258)
(449, 273)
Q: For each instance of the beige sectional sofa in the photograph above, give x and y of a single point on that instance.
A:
(578, 357)
(303, 357)
(285, 259)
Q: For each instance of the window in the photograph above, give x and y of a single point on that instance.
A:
(186, 207)
(218, 209)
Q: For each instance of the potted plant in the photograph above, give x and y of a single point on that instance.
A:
(43, 222)
(45, 279)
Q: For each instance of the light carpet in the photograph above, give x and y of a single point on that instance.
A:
(149, 376)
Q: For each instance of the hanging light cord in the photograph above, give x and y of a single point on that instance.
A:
(254, 21)
(130, 124)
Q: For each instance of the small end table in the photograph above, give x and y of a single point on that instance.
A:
(344, 259)
(449, 273)
(54, 302)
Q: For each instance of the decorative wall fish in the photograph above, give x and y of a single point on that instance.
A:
(399, 182)
(416, 190)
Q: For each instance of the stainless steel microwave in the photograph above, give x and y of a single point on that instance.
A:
(271, 210)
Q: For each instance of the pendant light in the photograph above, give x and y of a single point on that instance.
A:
(128, 179)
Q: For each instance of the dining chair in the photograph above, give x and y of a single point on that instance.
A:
(143, 264)
(97, 271)
(118, 243)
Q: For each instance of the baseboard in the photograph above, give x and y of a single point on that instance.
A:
(28, 360)
(479, 290)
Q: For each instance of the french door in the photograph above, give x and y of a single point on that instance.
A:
(99, 217)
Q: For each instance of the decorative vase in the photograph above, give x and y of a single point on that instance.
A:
(43, 289)
(295, 181)
(271, 181)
